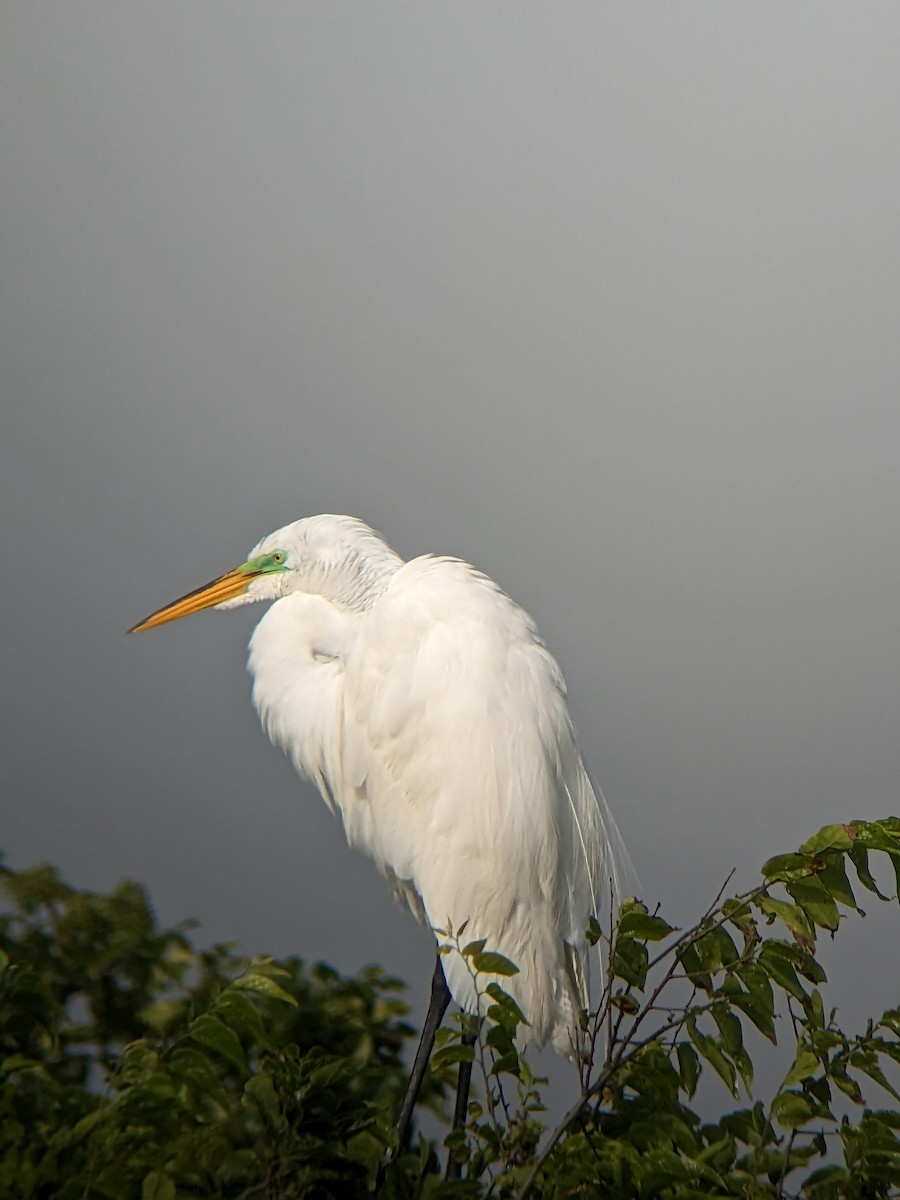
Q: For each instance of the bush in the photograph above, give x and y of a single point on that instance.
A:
(136, 1066)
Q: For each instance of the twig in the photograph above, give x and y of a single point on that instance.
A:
(698, 930)
(784, 1167)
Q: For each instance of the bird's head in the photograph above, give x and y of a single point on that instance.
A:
(338, 557)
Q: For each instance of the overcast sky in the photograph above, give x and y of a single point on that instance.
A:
(604, 298)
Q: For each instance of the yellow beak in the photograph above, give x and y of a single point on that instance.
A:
(226, 587)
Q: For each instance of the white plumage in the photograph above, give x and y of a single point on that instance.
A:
(433, 719)
(423, 704)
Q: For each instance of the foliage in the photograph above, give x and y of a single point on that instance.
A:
(135, 1066)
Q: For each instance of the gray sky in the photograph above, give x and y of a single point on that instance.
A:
(604, 298)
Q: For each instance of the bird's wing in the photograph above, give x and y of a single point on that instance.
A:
(297, 656)
(461, 775)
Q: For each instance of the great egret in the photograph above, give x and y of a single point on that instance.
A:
(424, 705)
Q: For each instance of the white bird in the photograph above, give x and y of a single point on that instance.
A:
(427, 710)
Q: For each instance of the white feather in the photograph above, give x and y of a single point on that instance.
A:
(422, 702)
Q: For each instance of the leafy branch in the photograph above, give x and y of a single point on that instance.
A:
(134, 1066)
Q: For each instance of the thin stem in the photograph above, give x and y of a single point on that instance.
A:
(785, 1166)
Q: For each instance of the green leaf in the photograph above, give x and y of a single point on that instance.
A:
(834, 879)
(838, 1073)
(792, 916)
(489, 962)
(329, 1071)
(832, 1179)
(264, 986)
(859, 856)
(195, 1068)
(506, 1002)
(810, 968)
(475, 947)
(707, 1047)
(815, 901)
(661, 1169)
(867, 1062)
(791, 1109)
(744, 1064)
(758, 1014)
(630, 962)
(83, 1127)
(261, 1091)
(880, 835)
(748, 1125)
(158, 1186)
(895, 863)
(688, 1067)
(817, 1008)
(778, 964)
(740, 915)
(829, 837)
(756, 980)
(452, 1054)
(693, 967)
(817, 1091)
(210, 1031)
(729, 1028)
(784, 867)
(501, 1017)
(646, 928)
(805, 1064)
(242, 1015)
(758, 1001)
(506, 1064)
(499, 1039)
(716, 949)
(625, 1002)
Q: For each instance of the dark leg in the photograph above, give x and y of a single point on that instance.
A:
(437, 1006)
(461, 1111)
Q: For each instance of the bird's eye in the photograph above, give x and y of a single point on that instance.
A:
(278, 556)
